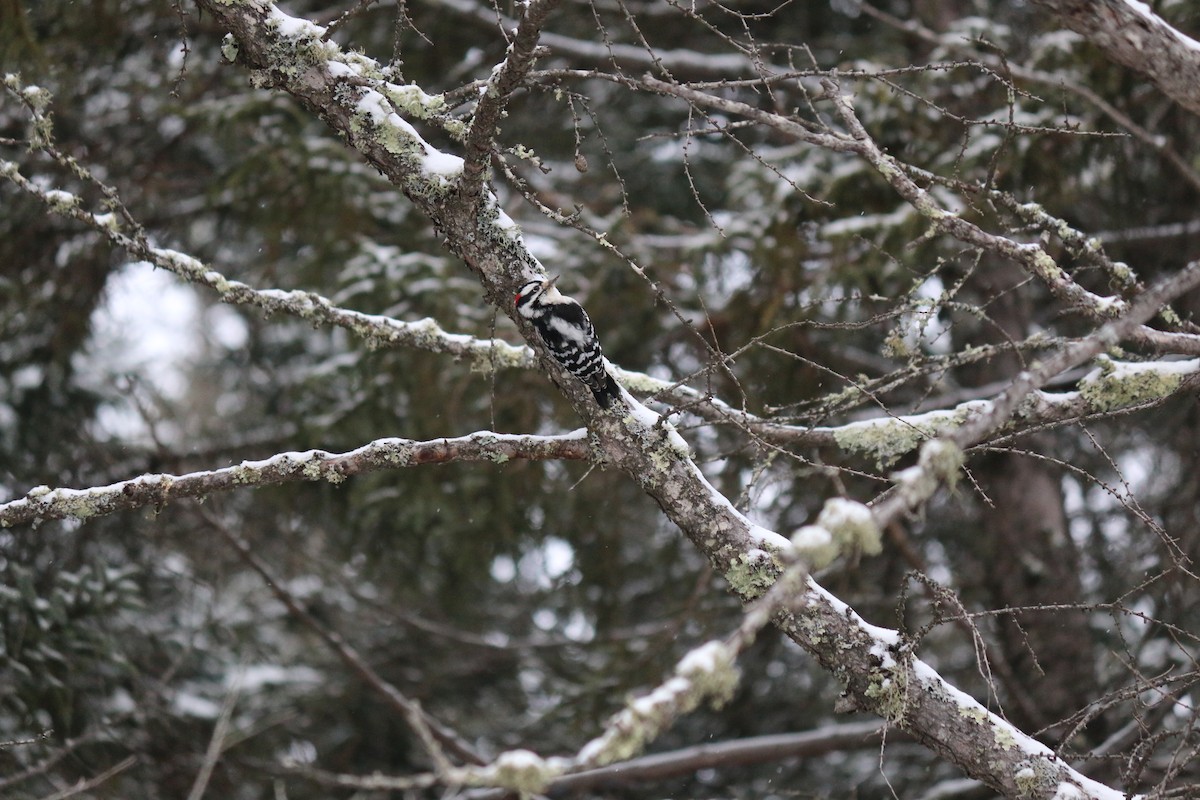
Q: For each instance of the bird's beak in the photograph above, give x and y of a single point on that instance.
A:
(550, 283)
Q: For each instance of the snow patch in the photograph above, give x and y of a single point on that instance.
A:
(443, 165)
(769, 539)
(1158, 22)
(294, 27)
(705, 658)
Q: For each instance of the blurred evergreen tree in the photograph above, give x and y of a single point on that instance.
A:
(520, 604)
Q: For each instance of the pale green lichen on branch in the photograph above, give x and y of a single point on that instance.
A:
(1003, 736)
(412, 100)
(751, 577)
(1045, 266)
(499, 355)
(229, 48)
(1119, 386)
(939, 462)
(973, 713)
(522, 771)
(852, 525)
(888, 688)
(243, 474)
(713, 672)
(708, 672)
(843, 528)
(944, 459)
(891, 437)
(64, 503)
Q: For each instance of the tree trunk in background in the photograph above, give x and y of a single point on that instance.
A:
(1034, 562)
(1025, 553)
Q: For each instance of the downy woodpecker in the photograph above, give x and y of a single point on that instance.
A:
(565, 328)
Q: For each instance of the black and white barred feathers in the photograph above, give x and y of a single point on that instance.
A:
(565, 328)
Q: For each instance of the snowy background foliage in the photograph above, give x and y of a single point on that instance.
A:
(270, 621)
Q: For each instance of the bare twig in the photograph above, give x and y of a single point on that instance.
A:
(89, 784)
(215, 744)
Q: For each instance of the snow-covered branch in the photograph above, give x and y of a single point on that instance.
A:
(43, 503)
(1112, 387)
(376, 330)
(940, 458)
(879, 673)
(1130, 33)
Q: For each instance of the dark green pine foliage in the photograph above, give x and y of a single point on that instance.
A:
(522, 603)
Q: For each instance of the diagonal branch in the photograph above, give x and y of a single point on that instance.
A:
(878, 673)
(1131, 34)
(88, 784)
(216, 744)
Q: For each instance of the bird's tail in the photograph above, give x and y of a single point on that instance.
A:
(607, 391)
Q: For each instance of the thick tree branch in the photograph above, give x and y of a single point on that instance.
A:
(286, 55)
(43, 503)
(1131, 34)
(877, 671)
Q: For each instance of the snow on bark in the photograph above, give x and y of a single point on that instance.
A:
(644, 452)
(1130, 33)
(43, 503)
